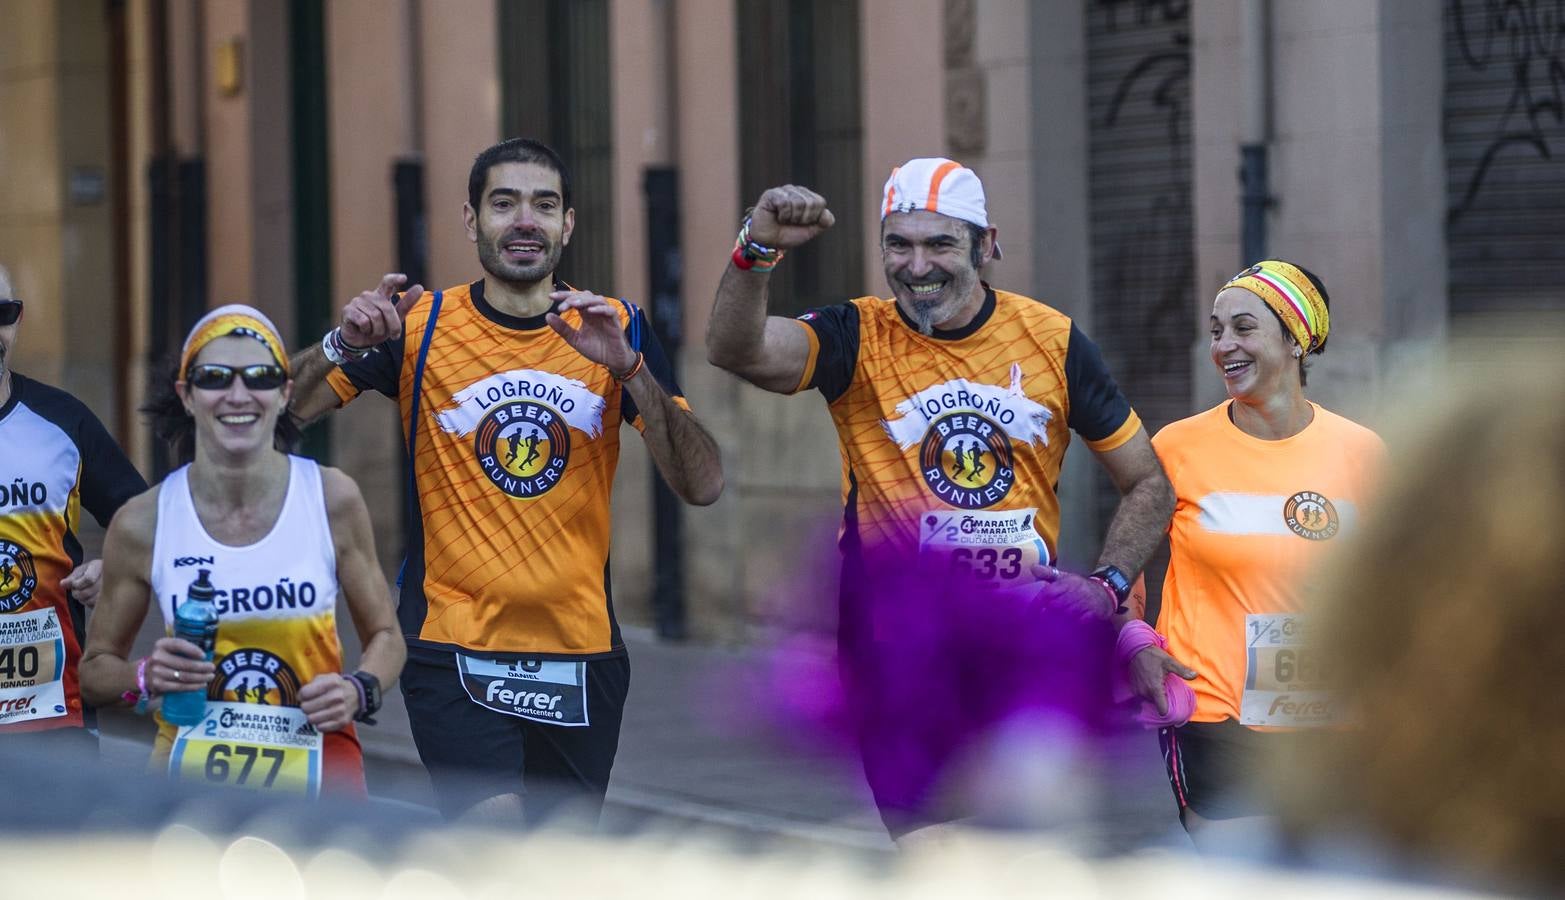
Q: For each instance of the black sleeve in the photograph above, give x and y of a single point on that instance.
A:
(1098, 409)
(638, 331)
(381, 369)
(107, 479)
(837, 330)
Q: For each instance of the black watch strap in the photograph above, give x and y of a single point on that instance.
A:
(1117, 582)
(370, 686)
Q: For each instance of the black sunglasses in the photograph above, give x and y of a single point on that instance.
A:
(10, 311)
(212, 377)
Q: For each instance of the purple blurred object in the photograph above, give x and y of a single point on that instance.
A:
(935, 666)
(1133, 638)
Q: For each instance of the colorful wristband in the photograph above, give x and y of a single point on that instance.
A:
(641, 358)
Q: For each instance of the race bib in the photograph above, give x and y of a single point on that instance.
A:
(992, 549)
(550, 692)
(1283, 681)
(250, 745)
(32, 666)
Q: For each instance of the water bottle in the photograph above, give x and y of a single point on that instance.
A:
(195, 620)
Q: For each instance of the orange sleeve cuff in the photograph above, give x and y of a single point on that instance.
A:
(341, 386)
(809, 361)
(1121, 434)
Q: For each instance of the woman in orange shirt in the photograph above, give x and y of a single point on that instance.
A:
(1266, 482)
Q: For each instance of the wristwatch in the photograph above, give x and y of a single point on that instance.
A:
(369, 690)
(1113, 579)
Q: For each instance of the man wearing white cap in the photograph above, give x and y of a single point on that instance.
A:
(953, 404)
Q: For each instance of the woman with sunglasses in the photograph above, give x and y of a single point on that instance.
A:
(1266, 483)
(282, 539)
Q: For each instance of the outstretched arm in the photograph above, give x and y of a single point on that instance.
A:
(768, 351)
(368, 320)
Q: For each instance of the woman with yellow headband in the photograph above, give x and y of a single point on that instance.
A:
(280, 539)
(1265, 483)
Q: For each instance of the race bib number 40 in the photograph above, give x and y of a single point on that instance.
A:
(249, 745)
(550, 692)
(32, 665)
(1283, 682)
(993, 549)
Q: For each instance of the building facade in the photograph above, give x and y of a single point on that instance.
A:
(158, 157)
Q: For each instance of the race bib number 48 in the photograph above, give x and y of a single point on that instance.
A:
(550, 692)
(32, 665)
(1283, 682)
(249, 745)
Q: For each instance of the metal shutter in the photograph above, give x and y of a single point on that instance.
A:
(1139, 198)
(1505, 156)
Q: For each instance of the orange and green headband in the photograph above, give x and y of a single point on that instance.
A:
(1292, 296)
(235, 318)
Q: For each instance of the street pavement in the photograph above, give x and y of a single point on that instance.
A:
(698, 751)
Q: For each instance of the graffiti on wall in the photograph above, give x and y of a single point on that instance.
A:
(1525, 38)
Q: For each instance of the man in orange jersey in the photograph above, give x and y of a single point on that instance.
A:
(517, 675)
(59, 460)
(953, 404)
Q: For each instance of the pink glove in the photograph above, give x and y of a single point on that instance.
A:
(1133, 638)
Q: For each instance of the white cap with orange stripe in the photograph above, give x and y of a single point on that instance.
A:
(939, 185)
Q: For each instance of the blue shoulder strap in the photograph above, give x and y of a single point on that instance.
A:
(418, 384)
(635, 324)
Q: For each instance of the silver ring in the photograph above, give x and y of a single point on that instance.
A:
(176, 675)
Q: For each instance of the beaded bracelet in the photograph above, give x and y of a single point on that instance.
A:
(754, 257)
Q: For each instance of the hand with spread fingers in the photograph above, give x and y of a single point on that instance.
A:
(600, 337)
(1147, 671)
(788, 216)
(376, 315)
(330, 701)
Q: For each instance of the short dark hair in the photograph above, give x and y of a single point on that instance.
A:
(1304, 377)
(515, 150)
(173, 425)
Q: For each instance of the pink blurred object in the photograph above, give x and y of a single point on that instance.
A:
(1133, 638)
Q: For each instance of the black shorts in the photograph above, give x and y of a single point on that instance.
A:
(473, 753)
(1220, 770)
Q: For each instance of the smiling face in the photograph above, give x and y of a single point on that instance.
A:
(521, 225)
(929, 266)
(1250, 348)
(236, 420)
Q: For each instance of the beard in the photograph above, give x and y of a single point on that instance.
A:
(492, 258)
(926, 314)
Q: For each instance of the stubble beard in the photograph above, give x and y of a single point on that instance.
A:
(494, 264)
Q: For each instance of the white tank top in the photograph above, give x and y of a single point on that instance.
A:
(276, 598)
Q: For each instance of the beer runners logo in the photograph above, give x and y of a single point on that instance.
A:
(18, 577)
(964, 432)
(521, 423)
(1311, 516)
(251, 675)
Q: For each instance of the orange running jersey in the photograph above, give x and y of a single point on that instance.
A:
(974, 420)
(58, 461)
(517, 443)
(1251, 521)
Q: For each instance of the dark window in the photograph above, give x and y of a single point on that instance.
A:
(554, 87)
(799, 123)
